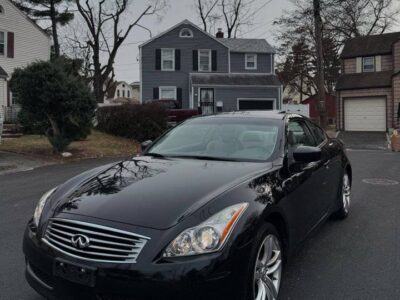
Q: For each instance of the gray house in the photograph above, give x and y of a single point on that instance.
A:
(214, 73)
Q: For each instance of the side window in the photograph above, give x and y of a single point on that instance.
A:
(298, 134)
(319, 134)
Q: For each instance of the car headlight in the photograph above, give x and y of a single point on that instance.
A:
(209, 236)
(40, 206)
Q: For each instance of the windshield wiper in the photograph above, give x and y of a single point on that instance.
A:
(152, 154)
(202, 157)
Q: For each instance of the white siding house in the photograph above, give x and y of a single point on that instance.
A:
(21, 43)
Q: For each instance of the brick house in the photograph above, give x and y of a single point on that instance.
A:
(368, 91)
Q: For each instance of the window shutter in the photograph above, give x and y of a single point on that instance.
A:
(214, 60)
(155, 93)
(359, 65)
(195, 60)
(158, 59)
(179, 95)
(378, 63)
(177, 59)
(10, 44)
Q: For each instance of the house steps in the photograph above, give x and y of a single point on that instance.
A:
(11, 131)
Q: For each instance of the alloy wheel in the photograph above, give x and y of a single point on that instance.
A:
(346, 191)
(268, 270)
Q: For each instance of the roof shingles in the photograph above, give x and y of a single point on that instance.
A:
(3, 74)
(248, 45)
(364, 80)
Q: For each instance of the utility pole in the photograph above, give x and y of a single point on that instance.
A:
(320, 64)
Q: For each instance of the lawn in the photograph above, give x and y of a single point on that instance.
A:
(98, 144)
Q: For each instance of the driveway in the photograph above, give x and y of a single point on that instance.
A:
(353, 259)
(364, 140)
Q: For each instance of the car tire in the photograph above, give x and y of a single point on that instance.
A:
(344, 197)
(264, 273)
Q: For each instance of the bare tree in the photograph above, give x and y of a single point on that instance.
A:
(103, 21)
(320, 63)
(232, 15)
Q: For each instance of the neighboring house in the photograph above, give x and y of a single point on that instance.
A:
(330, 104)
(120, 92)
(21, 43)
(136, 90)
(369, 88)
(213, 73)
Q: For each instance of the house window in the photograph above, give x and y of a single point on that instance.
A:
(168, 59)
(204, 60)
(117, 93)
(251, 61)
(129, 94)
(2, 43)
(167, 92)
(368, 64)
(123, 93)
(186, 33)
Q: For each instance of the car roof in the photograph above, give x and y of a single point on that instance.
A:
(267, 114)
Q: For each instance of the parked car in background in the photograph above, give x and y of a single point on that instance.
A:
(210, 210)
(175, 112)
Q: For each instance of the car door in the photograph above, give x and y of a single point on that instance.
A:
(306, 192)
(332, 165)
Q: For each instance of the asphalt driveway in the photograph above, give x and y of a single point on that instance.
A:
(358, 258)
(364, 140)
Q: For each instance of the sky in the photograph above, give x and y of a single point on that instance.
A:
(126, 63)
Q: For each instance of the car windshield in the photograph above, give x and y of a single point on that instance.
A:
(220, 138)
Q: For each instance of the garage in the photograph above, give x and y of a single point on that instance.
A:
(365, 114)
(256, 104)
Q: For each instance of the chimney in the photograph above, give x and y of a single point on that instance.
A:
(220, 34)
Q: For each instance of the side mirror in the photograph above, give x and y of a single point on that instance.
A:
(307, 154)
(145, 145)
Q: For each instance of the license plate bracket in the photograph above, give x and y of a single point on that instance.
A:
(76, 273)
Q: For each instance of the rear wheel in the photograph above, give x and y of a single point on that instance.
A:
(344, 198)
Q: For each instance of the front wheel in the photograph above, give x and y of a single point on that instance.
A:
(266, 266)
(344, 198)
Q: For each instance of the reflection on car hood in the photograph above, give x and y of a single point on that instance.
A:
(155, 193)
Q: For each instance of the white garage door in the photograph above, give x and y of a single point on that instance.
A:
(365, 114)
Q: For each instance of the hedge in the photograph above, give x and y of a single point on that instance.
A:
(139, 122)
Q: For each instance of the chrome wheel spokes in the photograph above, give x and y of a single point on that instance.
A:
(346, 193)
(268, 270)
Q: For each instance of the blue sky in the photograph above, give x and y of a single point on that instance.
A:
(127, 65)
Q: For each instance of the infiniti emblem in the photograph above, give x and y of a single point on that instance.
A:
(80, 241)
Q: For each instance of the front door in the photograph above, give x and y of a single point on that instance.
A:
(207, 101)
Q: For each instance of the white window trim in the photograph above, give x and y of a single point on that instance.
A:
(173, 59)
(5, 44)
(184, 36)
(362, 64)
(209, 60)
(246, 60)
(167, 87)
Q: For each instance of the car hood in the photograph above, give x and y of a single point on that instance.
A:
(150, 192)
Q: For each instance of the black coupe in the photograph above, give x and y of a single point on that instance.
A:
(210, 210)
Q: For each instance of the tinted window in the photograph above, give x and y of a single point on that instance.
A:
(319, 134)
(298, 134)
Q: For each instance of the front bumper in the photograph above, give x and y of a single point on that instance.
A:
(215, 276)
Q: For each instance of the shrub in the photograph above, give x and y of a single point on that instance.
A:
(139, 122)
(54, 102)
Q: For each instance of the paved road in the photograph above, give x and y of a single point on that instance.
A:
(358, 258)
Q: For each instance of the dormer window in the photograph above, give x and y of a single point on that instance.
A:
(368, 64)
(251, 61)
(186, 33)
(1, 10)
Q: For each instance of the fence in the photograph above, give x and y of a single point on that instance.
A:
(11, 114)
(301, 109)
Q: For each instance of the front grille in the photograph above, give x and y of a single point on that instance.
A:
(106, 244)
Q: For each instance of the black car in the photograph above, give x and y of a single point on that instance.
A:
(210, 210)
